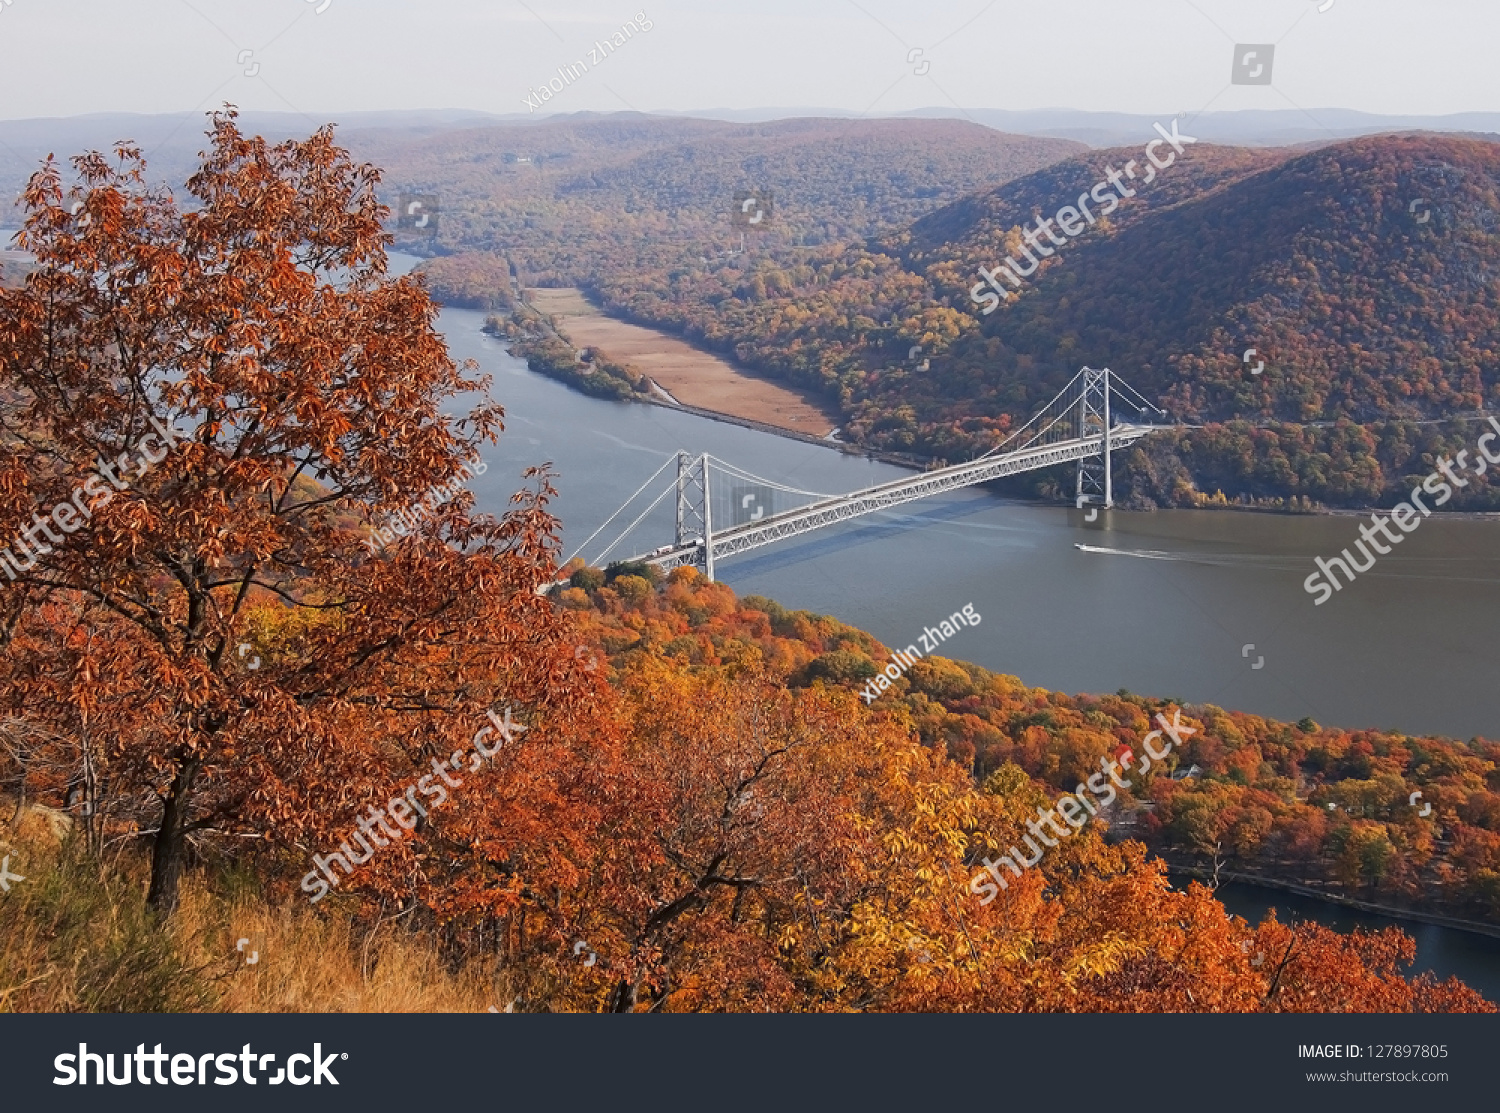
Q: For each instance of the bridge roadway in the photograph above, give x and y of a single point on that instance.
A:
(752, 535)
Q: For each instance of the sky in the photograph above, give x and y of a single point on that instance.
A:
(876, 57)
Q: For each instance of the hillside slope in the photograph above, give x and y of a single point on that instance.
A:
(1358, 309)
(1362, 273)
(1298, 803)
(580, 199)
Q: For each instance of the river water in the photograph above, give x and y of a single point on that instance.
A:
(1203, 606)
(1170, 611)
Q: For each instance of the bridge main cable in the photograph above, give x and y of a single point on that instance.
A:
(740, 473)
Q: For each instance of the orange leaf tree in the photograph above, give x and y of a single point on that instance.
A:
(221, 392)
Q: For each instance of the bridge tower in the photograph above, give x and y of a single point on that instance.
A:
(1095, 483)
(694, 512)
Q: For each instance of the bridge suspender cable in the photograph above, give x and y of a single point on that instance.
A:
(1043, 412)
(632, 525)
(1077, 425)
(669, 460)
(1120, 386)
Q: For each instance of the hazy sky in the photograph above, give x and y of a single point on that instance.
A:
(66, 57)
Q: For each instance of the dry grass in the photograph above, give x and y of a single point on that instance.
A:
(314, 963)
(76, 936)
(691, 375)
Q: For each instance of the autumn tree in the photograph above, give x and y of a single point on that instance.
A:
(207, 403)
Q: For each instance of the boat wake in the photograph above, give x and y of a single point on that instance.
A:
(1142, 554)
(1221, 560)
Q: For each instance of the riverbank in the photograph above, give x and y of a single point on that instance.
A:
(650, 391)
(1453, 923)
(669, 372)
(700, 381)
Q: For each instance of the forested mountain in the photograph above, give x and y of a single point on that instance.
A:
(581, 198)
(1362, 273)
(1358, 309)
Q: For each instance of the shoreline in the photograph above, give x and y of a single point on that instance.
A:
(1473, 927)
(660, 395)
(1454, 515)
(925, 463)
(689, 374)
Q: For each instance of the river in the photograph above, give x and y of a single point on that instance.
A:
(1199, 605)
(1406, 647)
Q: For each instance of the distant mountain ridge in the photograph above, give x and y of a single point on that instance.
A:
(1364, 274)
(591, 199)
(177, 137)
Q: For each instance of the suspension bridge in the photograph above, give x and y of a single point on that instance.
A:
(723, 511)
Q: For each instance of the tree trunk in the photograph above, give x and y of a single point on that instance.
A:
(169, 853)
(625, 996)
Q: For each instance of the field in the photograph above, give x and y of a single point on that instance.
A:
(692, 376)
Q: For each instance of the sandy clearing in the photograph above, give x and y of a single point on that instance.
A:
(692, 376)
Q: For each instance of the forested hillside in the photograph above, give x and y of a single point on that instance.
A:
(739, 832)
(1358, 309)
(1367, 318)
(1362, 273)
(581, 199)
(1297, 803)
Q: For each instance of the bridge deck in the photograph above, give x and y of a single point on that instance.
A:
(790, 523)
